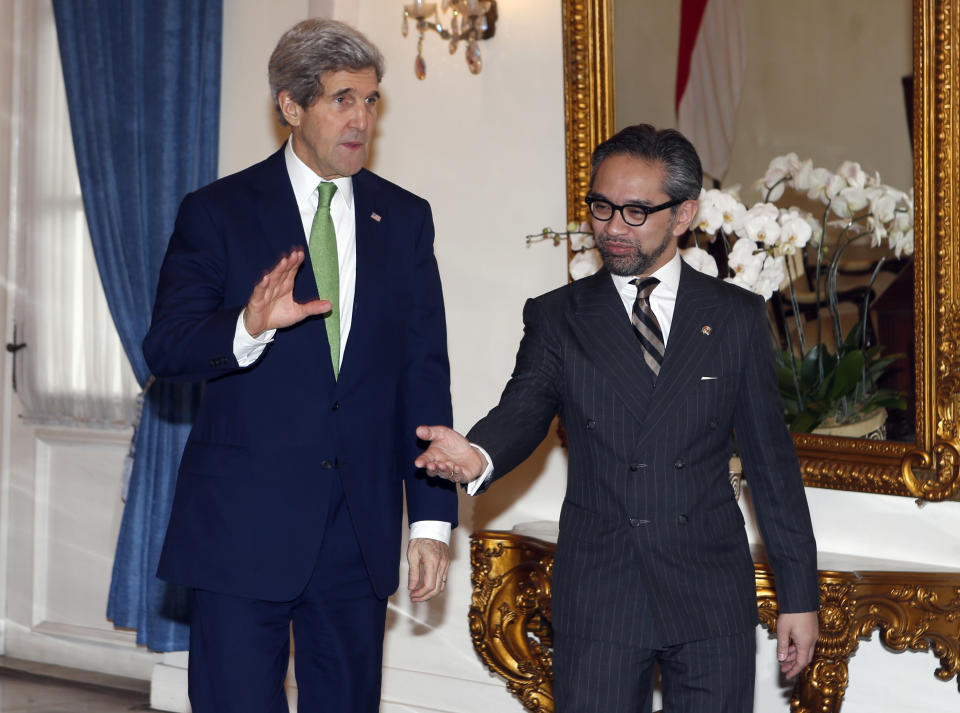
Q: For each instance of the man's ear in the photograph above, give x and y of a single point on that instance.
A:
(686, 212)
(292, 112)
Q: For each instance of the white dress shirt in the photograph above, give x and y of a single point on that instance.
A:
(663, 300)
(248, 348)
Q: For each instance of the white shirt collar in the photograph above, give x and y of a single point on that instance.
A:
(669, 276)
(305, 181)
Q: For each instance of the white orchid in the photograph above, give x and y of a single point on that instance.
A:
(849, 201)
(778, 174)
(709, 215)
(883, 203)
(803, 178)
(760, 224)
(581, 238)
(856, 177)
(700, 260)
(745, 262)
(817, 186)
(585, 263)
(771, 277)
(795, 230)
(717, 210)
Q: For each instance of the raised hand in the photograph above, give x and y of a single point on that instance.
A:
(449, 455)
(272, 306)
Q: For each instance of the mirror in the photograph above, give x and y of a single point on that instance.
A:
(929, 466)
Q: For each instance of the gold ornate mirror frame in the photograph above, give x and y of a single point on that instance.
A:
(930, 467)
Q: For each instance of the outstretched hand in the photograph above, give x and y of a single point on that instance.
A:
(271, 306)
(449, 455)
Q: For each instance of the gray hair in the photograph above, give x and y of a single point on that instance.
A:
(312, 48)
(683, 175)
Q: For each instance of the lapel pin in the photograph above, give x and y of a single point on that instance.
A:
(706, 329)
(375, 216)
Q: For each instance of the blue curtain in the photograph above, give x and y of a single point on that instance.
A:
(143, 91)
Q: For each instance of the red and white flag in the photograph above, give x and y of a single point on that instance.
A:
(711, 65)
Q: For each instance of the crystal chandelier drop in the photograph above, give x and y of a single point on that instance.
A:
(470, 22)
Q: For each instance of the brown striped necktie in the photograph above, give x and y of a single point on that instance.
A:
(645, 324)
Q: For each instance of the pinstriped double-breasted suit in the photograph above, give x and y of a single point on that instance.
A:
(652, 550)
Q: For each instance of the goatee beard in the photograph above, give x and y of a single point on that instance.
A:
(634, 263)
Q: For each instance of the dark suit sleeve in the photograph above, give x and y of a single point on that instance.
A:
(517, 425)
(425, 380)
(772, 471)
(191, 332)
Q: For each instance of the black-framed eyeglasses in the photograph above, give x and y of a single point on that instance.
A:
(632, 213)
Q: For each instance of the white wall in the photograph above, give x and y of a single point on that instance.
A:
(487, 151)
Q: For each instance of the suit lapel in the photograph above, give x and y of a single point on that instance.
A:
(371, 284)
(600, 323)
(687, 345)
(280, 221)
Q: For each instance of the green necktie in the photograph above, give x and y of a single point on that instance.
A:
(326, 270)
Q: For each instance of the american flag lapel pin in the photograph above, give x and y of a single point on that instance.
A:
(706, 329)
(375, 216)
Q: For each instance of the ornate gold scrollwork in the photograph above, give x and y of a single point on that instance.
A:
(588, 72)
(912, 610)
(510, 614)
(510, 619)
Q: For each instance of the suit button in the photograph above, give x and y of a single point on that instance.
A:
(714, 423)
(678, 463)
(637, 466)
(682, 519)
(591, 424)
(336, 406)
(325, 464)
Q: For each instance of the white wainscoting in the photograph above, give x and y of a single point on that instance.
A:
(64, 516)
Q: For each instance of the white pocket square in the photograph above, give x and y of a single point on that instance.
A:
(707, 378)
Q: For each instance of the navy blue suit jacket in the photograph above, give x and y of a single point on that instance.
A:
(248, 514)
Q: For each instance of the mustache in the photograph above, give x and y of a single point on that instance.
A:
(602, 238)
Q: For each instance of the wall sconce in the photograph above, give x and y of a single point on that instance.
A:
(472, 21)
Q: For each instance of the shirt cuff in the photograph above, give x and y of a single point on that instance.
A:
(430, 530)
(474, 485)
(246, 348)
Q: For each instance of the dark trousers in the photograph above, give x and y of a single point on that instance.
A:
(709, 676)
(239, 648)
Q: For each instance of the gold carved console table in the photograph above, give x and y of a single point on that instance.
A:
(511, 631)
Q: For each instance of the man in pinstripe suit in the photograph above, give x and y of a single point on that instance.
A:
(650, 378)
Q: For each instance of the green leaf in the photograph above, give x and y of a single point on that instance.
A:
(852, 340)
(785, 382)
(805, 422)
(887, 398)
(847, 374)
(810, 369)
(876, 369)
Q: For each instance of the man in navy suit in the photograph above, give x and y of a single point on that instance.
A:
(651, 365)
(318, 367)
